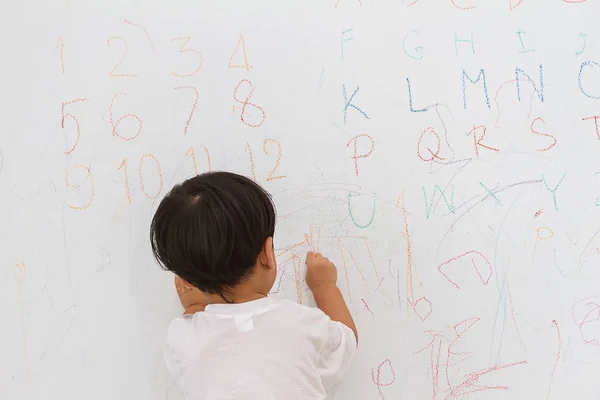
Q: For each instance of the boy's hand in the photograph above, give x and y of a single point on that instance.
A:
(191, 298)
(319, 271)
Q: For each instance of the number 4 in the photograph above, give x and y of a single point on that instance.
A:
(239, 44)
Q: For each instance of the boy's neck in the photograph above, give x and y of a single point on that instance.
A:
(238, 294)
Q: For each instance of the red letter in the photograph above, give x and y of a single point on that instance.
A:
(477, 141)
(542, 134)
(434, 154)
(357, 156)
(595, 118)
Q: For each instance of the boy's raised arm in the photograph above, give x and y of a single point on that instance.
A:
(321, 278)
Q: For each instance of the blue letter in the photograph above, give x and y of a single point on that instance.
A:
(410, 99)
(348, 103)
(464, 86)
(586, 64)
(539, 92)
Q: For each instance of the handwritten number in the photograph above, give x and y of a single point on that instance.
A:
(115, 125)
(189, 120)
(158, 170)
(112, 72)
(125, 172)
(72, 117)
(77, 186)
(270, 177)
(183, 49)
(249, 150)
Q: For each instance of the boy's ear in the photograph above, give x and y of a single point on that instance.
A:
(180, 282)
(267, 254)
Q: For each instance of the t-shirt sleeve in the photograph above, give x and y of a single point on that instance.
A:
(337, 354)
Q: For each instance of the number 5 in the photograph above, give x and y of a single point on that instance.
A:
(77, 126)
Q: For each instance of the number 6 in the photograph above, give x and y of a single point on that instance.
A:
(116, 124)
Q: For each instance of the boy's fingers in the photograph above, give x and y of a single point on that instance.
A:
(310, 256)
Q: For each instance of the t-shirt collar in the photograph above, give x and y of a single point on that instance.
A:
(248, 307)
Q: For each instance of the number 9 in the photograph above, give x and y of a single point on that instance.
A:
(78, 185)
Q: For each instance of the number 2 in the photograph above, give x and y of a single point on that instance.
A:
(271, 177)
(112, 72)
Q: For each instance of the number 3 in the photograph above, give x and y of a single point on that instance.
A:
(183, 49)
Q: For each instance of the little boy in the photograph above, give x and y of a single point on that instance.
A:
(215, 232)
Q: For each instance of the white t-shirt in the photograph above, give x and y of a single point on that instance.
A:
(265, 349)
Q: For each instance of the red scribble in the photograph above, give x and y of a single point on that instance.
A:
(411, 4)
(470, 384)
(423, 314)
(592, 315)
(595, 118)
(367, 307)
(77, 126)
(145, 33)
(459, 330)
(434, 155)
(498, 92)
(557, 358)
(189, 120)
(435, 369)
(511, 6)
(483, 279)
(246, 102)
(473, 377)
(356, 156)
(376, 376)
(537, 214)
(542, 134)
(574, 1)
(461, 7)
(477, 141)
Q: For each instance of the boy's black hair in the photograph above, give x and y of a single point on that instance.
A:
(210, 229)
